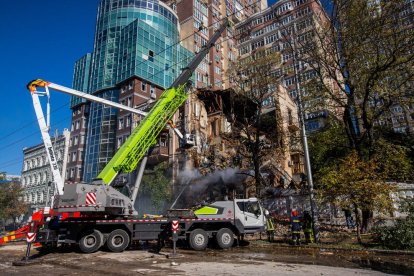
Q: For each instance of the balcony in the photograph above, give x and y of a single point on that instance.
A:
(236, 18)
(159, 154)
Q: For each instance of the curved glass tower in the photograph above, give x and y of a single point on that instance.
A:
(126, 32)
(132, 38)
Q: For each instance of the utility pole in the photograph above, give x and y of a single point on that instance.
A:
(315, 224)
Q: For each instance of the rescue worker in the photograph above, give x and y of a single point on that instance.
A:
(295, 222)
(348, 218)
(270, 227)
(307, 227)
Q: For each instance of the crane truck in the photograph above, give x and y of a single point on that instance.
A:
(96, 214)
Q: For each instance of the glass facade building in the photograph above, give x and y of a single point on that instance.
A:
(154, 19)
(133, 38)
(81, 75)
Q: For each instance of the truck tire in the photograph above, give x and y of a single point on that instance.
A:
(198, 239)
(225, 238)
(118, 240)
(91, 241)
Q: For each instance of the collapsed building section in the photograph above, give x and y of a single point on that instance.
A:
(217, 121)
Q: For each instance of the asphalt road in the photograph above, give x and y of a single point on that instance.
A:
(255, 259)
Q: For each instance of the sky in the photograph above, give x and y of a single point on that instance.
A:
(39, 39)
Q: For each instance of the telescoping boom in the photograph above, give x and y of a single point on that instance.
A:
(144, 136)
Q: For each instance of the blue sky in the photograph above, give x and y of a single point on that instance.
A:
(39, 39)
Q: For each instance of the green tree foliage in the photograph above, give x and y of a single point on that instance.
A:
(155, 183)
(11, 202)
(356, 184)
(365, 66)
(401, 235)
(366, 51)
(327, 147)
(391, 160)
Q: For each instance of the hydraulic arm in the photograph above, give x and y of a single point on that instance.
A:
(144, 136)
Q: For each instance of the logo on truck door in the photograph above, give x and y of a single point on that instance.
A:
(91, 198)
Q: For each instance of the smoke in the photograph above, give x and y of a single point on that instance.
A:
(197, 188)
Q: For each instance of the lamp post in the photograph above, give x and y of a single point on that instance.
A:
(315, 224)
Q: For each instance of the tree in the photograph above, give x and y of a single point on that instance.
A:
(258, 126)
(356, 184)
(366, 50)
(11, 203)
(329, 148)
(155, 183)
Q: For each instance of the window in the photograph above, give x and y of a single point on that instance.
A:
(400, 129)
(271, 38)
(312, 125)
(217, 70)
(74, 156)
(76, 140)
(144, 86)
(77, 124)
(249, 207)
(72, 173)
(128, 120)
(258, 44)
(289, 81)
(119, 142)
(82, 140)
(287, 56)
(121, 123)
(285, 7)
(129, 101)
(151, 55)
(293, 94)
(80, 172)
(72, 127)
(397, 109)
(153, 94)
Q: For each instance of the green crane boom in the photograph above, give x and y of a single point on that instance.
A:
(144, 136)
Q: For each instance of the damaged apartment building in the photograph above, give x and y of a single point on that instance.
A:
(212, 118)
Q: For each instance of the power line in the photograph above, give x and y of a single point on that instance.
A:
(165, 49)
(30, 135)
(30, 123)
(162, 51)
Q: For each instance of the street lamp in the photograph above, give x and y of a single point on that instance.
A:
(315, 224)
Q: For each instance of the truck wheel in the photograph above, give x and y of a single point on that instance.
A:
(91, 242)
(198, 239)
(118, 240)
(225, 238)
